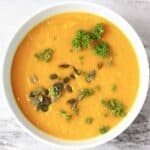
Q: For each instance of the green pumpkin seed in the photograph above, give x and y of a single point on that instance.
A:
(34, 79)
(90, 76)
(38, 91)
(100, 65)
(72, 76)
(64, 65)
(66, 79)
(34, 100)
(68, 88)
(42, 107)
(78, 72)
(71, 101)
(46, 100)
(53, 76)
(59, 86)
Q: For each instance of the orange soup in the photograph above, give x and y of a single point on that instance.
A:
(75, 76)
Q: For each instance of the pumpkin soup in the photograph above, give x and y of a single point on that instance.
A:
(75, 76)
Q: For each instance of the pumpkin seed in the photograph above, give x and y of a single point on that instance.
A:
(42, 107)
(34, 79)
(46, 100)
(64, 65)
(35, 92)
(59, 86)
(38, 91)
(73, 104)
(90, 76)
(72, 76)
(100, 65)
(80, 97)
(66, 79)
(53, 76)
(68, 88)
(35, 100)
(71, 101)
(40, 97)
(78, 72)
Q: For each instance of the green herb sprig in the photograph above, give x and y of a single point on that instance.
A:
(114, 87)
(46, 55)
(81, 58)
(102, 49)
(87, 92)
(66, 115)
(103, 129)
(115, 107)
(97, 32)
(110, 61)
(81, 40)
(89, 120)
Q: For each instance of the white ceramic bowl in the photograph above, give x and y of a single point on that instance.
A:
(76, 6)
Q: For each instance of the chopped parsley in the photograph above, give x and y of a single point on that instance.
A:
(98, 87)
(89, 120)
(81, 40)
(102, 49)
(81, 58)
(103, 129)
(97, 32)
(53, 91)
(116, 108)
(90, 75)
(56, 91)
(110, 61)
(66, 115)
(87, 92)
(45, 55)
(114, 87)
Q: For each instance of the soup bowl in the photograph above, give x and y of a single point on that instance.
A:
(75, 6)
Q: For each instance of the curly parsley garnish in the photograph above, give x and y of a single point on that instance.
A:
(89, 76)
(81, 40)
(110, 61)
(87, 92)
(97, 32)
(103, 129)
(89, 120)
(116, 108)
(102, 49)
(53, 91)
(81, 58)
(114, 87)
(66, 115)
(45, 55)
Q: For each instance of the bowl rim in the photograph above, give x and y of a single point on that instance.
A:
(88, 143)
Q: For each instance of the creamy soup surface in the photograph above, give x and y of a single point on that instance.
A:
(111, 90)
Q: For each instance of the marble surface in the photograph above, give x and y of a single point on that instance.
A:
(15, 12)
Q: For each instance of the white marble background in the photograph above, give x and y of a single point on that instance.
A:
(13, 13)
